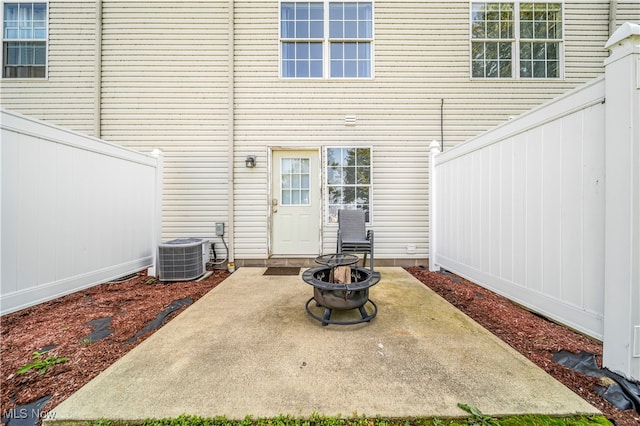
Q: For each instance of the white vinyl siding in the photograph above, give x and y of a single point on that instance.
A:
(66, 97)
(417, 66)
(628, 11)
(164, 85)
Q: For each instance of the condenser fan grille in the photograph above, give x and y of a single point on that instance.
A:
(182, 259)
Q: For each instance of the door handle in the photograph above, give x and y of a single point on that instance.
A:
(274, 204)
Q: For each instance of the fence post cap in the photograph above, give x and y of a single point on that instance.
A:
(625, 31)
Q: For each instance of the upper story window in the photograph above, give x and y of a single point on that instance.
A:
(24, 40)
(516, 40)
(326, 39)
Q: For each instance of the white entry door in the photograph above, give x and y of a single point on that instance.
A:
(295, 203)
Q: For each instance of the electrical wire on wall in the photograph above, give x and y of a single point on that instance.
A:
(442, 125)
(218, 263)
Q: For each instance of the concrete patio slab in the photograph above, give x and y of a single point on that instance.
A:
(248, 347)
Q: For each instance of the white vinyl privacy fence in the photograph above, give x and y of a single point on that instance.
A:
(75, 211)
(544, 209)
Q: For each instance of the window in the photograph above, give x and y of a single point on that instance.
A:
(294, 181)
(348, 181)
(540, 35)
(24, 40)
(326, 38)
(516, 40)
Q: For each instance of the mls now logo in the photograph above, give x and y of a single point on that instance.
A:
(29, 413)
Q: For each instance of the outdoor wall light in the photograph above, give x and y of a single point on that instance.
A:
(250, 161)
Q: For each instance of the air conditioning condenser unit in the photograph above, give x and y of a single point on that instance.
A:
(183, 259)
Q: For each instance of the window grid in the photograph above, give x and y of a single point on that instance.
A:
(348, 180)
(326, 39)
(350, 34)
(516, 40)
(24, 44)
(539, 60)
(295, 181)
(540, 36)
(350, 59)
(492, 59)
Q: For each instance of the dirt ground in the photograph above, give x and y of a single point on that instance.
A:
(61, 325)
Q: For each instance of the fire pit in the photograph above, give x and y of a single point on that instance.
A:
(352, 294)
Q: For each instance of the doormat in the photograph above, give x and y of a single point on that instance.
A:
(282, 270)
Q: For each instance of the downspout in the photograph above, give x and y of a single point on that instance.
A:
(97, 69)
(230, 131)
(613, 15)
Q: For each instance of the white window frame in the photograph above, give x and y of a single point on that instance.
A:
(325, 184)
(3, 40)
(326, 41)
(515, 43)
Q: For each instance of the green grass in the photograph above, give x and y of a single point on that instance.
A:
(317, 420)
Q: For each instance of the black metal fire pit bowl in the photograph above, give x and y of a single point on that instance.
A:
(341, 296)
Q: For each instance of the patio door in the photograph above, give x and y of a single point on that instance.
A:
(295, 203)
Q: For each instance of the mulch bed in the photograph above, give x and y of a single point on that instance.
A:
(63, 323)
(134, 303)
(533, 336)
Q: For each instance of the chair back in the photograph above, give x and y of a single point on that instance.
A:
(352, 224)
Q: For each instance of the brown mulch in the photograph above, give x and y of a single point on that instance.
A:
(531, 335)
(135, 302)
(131, 304)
